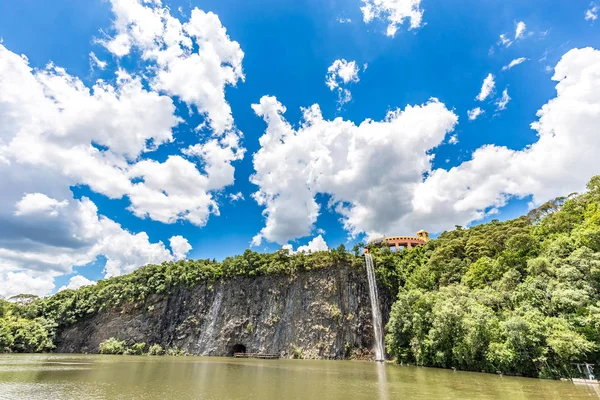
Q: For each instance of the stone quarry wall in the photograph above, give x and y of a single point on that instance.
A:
(323, 313)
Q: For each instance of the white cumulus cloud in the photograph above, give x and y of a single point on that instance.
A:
(57, 132)
(374, 172)
(365, 167)
(196, 76)
(236, 196)
(76, 282)
(96, 62)
(568, 141)
(474, 113)
(179, 247)
(394, 12)
(33, 203)
(13, 283)
(44, 246)
(316, 244)
(591, 14)
(520, 30)
(502, 102)
(487, 88)
(70, 119)
(339, 74)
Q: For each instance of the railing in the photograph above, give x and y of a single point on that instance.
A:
(411, 238)
(262, 356)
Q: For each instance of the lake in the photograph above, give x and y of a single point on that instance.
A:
(62, 376)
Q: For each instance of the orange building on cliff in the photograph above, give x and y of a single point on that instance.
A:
(407, 242)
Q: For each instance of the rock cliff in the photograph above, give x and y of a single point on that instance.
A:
(322, 313)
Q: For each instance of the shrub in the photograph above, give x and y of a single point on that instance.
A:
(156, 350)
(137, 349)
(112, 346)
(296, 352)
(175, 351)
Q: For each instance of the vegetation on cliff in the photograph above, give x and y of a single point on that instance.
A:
(29, 324)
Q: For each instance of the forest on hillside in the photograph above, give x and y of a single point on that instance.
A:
(520, 296)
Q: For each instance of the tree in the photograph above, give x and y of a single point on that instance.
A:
(112, 346)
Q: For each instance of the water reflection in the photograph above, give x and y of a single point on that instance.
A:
(592, 388)
(382, 379)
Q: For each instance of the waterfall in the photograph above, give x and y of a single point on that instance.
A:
(207, 338)
(375, 310)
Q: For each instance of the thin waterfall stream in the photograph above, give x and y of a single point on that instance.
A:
(207, 337)
(375, 309)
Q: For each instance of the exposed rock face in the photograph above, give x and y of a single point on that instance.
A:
(317, 314)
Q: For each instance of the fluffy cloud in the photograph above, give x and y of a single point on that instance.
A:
(591, 14)
(196, 76)
(194, 61)
(502, 102)
(514, 63)
(56, 133)
(395, 12)
(171, 190)
(96, 62)
(520, 30)
(363, 168)
(487, 88)
(14, 283)
(69, 113)
(474, 113)
(341, 73)
(236, 196)
(180, 247)
(374, 172)
(567, 126)
(34, 203)
(76, 282)
(126, 251)
(70, 120)
(316, 244)
(504, 40)
(44, 245)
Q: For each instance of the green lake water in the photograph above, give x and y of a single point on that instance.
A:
(129, 377)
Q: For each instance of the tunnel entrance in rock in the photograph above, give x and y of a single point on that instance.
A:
(237, 348)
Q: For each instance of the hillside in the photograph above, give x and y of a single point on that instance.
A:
(520, 296)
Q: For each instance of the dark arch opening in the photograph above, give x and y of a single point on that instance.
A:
(237, 348)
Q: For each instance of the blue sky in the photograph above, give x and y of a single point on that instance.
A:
(287, 50)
